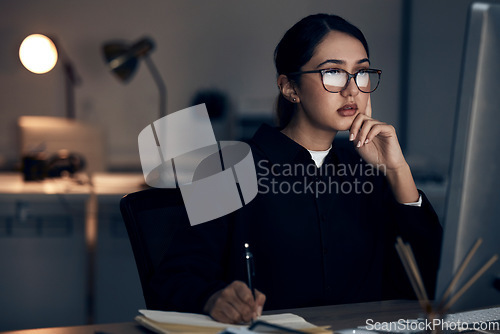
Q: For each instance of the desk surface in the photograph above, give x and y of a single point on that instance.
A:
(104, 184)
(336, 316)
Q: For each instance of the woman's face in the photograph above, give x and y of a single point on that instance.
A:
(332, 111)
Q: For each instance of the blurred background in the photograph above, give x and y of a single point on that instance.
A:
(219, 50)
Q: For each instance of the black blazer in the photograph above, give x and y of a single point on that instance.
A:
(318, 236)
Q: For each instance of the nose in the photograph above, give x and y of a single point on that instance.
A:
(351, 88)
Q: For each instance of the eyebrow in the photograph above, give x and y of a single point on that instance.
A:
(342, 62)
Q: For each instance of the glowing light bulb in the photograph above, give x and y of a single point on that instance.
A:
(38, 53)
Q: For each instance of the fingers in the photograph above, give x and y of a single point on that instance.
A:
(364, 129)
(358, 121)
(235, 304)
(368, 111)
(243, 292)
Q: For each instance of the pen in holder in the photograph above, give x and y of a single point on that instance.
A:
(250, 269)
(436, 314)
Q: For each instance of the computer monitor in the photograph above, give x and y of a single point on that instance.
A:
(473, 202)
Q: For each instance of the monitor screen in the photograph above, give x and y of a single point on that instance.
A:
(473, 202)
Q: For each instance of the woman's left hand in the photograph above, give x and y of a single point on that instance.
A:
(375, 141)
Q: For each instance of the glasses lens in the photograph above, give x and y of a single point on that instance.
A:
(367, 81)
(334, 80)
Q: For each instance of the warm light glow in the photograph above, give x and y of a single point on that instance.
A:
(38, 53)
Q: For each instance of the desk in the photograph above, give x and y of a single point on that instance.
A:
(104, 184)
(336, 316)
(47, 217)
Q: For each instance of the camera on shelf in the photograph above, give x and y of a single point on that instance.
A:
(38, 166)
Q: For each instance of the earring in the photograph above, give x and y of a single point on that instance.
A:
(294, 99)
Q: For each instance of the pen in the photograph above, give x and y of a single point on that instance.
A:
(250, 268)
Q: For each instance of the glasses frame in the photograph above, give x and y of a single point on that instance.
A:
(349, 76)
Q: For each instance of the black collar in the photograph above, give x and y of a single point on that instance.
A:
(279, 148)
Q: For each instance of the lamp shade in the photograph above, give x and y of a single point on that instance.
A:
(38, 53)
(122, 58)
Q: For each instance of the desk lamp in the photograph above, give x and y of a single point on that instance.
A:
(122, 60)
(39, 54)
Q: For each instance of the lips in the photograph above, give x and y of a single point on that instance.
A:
(347, 110)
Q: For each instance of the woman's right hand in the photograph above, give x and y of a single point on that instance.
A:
(235, 304)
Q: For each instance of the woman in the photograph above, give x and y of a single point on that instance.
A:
(323, 226)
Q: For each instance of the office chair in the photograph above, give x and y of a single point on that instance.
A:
(152, 218)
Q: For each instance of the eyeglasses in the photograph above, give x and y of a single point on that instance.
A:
(336, 80)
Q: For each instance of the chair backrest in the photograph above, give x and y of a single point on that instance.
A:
(152, 217)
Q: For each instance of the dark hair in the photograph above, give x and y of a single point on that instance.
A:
(297, 47)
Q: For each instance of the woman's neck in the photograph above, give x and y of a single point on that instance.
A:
(309, 137)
